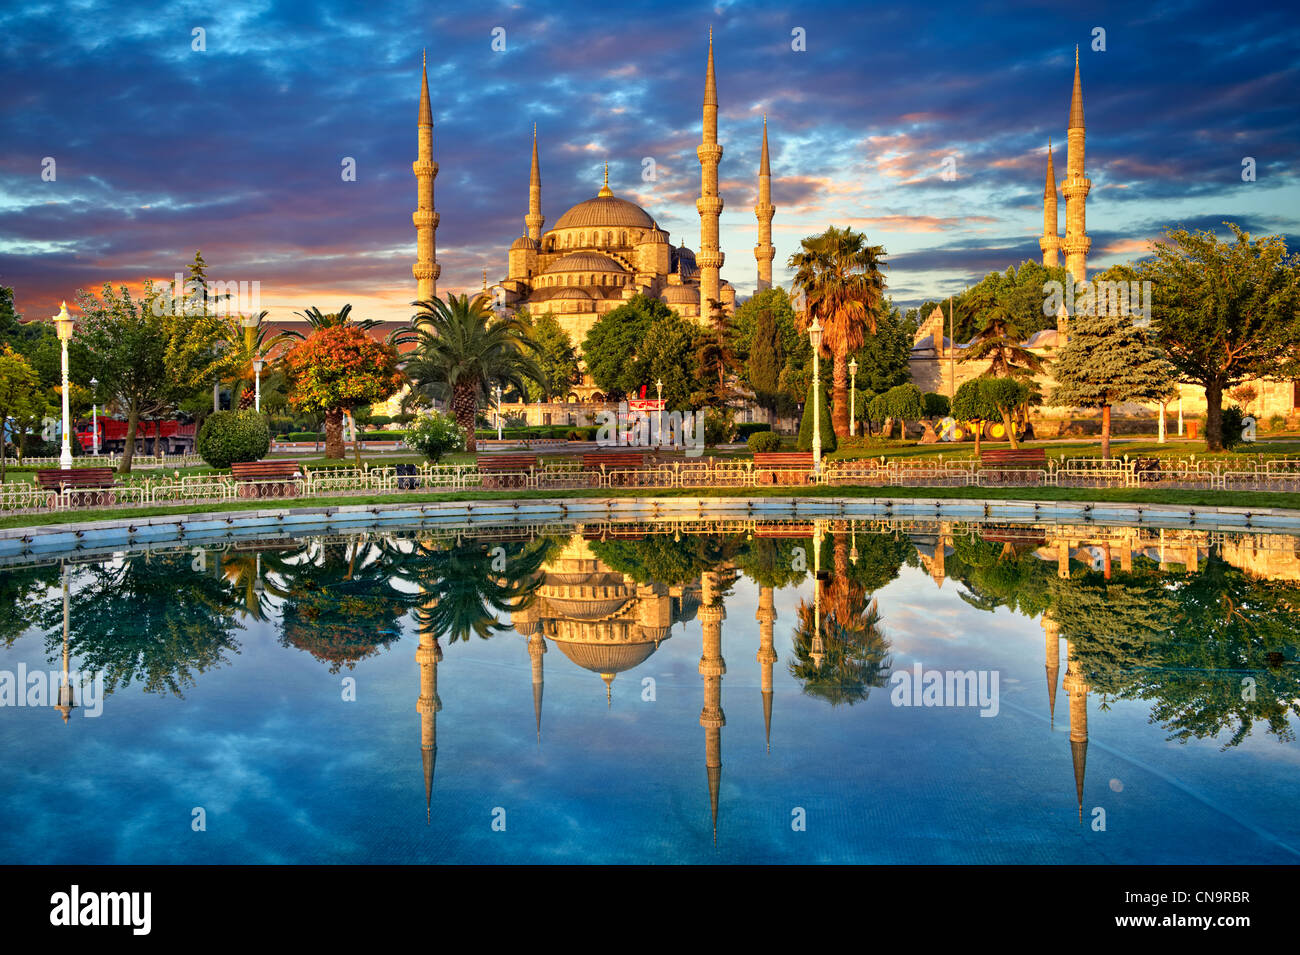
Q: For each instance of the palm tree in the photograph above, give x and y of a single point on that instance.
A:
(840, 276)
(317, 320)
(244, 346)
(461, 350)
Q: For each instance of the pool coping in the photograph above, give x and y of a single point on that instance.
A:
(124, 532)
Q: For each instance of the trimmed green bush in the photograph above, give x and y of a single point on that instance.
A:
(751, 427)
(233, 437)
(762, 441)
(936, 405)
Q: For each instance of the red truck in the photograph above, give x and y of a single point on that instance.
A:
(172, 436)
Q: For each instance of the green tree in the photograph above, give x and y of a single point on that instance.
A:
(766, 357)
(148, 355)
(998, 335)
(1224, 312)
(557, 359)
(984, 399)
(806, 422)
(668, 354)
(613, 348)
(19, 394)
(841, 277)
(1108, 360)
(461, 351)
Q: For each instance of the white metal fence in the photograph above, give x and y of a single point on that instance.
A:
(160, 488)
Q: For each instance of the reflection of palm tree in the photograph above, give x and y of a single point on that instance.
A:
(853, 652)
(467, 583)
(254, 578)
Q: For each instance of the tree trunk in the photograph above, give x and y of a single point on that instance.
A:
(1011, 428)
(979, 428)
(464, 405)
(334, 434)
(356, 439)
(1105, 433)
(128, 449)
(887, 429)
(840, 395)
(1214, 415)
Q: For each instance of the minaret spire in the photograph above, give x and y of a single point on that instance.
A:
(1076, 187)
(709, 204)
(605, 191)
(764, 252)
(426, 269)
(1050, 241)
(534, 220)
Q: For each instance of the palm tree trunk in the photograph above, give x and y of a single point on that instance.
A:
(334, 433)
(464, 405)
(840, 395)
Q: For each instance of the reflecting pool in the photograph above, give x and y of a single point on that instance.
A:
(687, 691)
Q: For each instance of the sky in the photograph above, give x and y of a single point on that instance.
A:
(238, 148)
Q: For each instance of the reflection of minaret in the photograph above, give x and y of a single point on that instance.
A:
(1063, 559)
(766, 656)
(65, 688)
(1075, 686)
(536, 648)
(1052, 631)
(427, 656)
(712, 667)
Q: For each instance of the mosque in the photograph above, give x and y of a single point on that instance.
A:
(606, 249)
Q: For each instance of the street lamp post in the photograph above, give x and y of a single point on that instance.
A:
(815, 338)
(498, 412)
(853, 397)
(659, 412)
(94, 414)
(1180, 416)
(257, 384)
(63, 327)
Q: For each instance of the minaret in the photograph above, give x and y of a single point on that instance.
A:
(712, 667)
(1052, 635)
(764, 252)
(426, 269)
(1050, 241)
(1077, 688)
(709, 204)
(766, 656)
(1075, 188)
(427, 655)
(535, 219)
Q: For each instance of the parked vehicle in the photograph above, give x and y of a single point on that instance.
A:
(172, 437)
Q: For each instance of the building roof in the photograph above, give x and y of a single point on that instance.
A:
(523, 242)
(584, 262)
(603, 211)
(681, 295)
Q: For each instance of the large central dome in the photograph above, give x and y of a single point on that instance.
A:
(602, 211)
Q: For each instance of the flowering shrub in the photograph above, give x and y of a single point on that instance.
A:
(434, 435)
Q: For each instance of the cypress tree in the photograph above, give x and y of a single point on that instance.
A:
(806, 424)
(766, 357)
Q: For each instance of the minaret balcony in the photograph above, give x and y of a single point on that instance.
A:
(425, 218)
(709, 260)
(424, 270)
(709, 153)
(709, 205)
(765, 211)
(424, 168)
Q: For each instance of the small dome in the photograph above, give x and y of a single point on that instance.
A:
(573, 293)
(606, 657)
(585, 262)
(523, 242)
(680, 295)
(605, 211)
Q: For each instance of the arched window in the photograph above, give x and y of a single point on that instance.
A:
(581, 237)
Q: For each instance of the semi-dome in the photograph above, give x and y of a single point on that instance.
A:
(569, 292)
(603, 211)
(584, 262)
(681, 295)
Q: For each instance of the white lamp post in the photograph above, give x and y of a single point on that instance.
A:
(1180, 416)
(94, 414)
(853, 397)
(659, 426)
(63, 327)
(815, 338)
(257, 384)
(498, 412)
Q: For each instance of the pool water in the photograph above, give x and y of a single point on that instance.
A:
(671, 693)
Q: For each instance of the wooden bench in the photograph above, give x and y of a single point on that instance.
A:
(783, 467)
(1020, 458)
(84, 485)
(505, 470)
(620, 465)
(267, 478)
